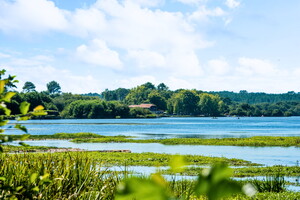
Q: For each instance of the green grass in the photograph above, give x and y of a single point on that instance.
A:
(63, 136)
(15, 149)
(145, 159)
(83, 175)
(256, 141)
(249, 171)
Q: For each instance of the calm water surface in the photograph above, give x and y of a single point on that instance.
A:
(170, 127)
(179, 127)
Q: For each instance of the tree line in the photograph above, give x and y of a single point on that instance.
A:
(114, 103)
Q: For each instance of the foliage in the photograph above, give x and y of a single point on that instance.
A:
(274, 183)
(28, 87)
(247, 171)
(93, 109)
(115, 95)
(5, 97)
(184, 102)
(54, 176)
(214, 183)
(53, 87)
(179, 102)
(156, 98)
(251, 141)
(259, 97)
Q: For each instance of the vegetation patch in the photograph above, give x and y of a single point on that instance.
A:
(248, 171)
(63, 136)
(255, 141)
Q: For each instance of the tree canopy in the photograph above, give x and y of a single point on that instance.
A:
(28, 87)
(53, 87)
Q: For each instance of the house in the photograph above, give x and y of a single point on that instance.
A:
(151, 107)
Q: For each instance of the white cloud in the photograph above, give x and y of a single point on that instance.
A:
(148, 3)
(97, 53)
(184, 63)
(86, 22)
(135, 81)
(175, 83)
(218, 66)
(191, 2)
(249, 66)
(232, 3)
(202, 14)
(26, 16)
(147, 59)
(40, 75)
(3, 55)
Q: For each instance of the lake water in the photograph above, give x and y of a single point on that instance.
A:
(179, 127)
(170, 127)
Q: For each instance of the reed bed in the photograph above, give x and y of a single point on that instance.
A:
(255, 141)
(55, 176)
(248, 171)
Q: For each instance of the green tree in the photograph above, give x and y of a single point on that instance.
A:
(138, 95)
(185, 102)
(209, 104)
(156, 98)
(53, 87)
(162, 86)
(149, 85)
(28, 87)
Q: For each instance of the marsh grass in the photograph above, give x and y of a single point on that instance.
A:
(270, 184)
(54, 176)
(248, 171)
(256, 141)
(84, 175)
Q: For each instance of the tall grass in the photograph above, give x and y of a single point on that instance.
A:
(54, 176)
(270, 184)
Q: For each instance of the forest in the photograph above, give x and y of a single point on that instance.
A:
(181, 102)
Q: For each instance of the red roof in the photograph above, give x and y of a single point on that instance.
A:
(142, 106)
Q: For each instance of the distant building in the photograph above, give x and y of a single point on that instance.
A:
(151, 107)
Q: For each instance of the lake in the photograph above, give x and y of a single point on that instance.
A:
(179, 127)
(201, 127)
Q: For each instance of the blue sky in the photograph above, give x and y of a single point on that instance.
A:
(211, 45)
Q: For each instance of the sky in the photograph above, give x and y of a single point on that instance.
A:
(211, 45)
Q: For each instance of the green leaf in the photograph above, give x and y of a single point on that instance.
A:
(24, 107)
(177, 163)
(19, 188)
(1, 150)
(24, 137)
(20, 127)
(140, 188)
(2, 85)
(23, 144)
(2, 179)
(8, 96)
(39, 113)
(40, 107)
(215, 183)
(6, 111)
(36, 189)
(33, 177)
(3, 122)
(23, 118)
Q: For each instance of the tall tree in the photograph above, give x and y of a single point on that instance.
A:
(28, 87)
(157, 99)
(53, 87)
(162, 86)
(185, 102)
